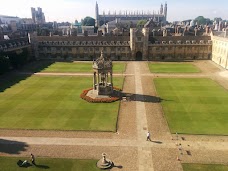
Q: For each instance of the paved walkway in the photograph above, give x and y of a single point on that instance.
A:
(144, 153)
(141, 143)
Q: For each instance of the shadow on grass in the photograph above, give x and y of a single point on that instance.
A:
(12, 147)
(37, 66)
(7, 80)
(10, 79)
(42, 166)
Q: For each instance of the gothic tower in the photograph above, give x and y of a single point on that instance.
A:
(161, 9)
(165, 11)
(97, 24)
(33, 11)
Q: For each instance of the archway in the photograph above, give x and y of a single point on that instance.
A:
(139, 56)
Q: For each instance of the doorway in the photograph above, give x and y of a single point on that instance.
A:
(139, 56)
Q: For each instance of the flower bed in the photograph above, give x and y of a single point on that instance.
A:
(99, 100)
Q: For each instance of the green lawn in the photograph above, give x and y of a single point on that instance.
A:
(71, 67)
(54, 103)
(10, 164)
(194, 105)
(165, 67)
(204, 167)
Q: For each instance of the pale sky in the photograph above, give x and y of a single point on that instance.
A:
(69, 10)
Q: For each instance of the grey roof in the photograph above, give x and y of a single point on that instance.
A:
(5, 16)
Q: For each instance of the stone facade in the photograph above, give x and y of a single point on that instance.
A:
(14, 44)
(220, 48)
(180, 48)
(140, 45)
(83, 47)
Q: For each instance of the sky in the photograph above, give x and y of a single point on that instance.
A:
(70, 10)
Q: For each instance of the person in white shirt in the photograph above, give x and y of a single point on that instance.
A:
(148, 136)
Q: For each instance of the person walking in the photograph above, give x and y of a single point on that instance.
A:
(33, 159)
(148, 136)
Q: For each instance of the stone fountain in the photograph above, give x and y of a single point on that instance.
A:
(104, 163)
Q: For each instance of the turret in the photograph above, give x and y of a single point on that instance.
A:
(161, 9)
(165, 11)
(97, 24)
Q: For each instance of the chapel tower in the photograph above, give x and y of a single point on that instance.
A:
(97, 24)
(165, 11)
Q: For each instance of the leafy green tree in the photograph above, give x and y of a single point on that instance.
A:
(88, 21)
(208, 21)
(201, 20)
(217, 19)
(141, 23)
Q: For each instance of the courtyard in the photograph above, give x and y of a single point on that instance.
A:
(192, 102)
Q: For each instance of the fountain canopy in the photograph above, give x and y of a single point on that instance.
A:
(102, 76)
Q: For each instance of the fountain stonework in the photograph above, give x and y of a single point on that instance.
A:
(103, 90)
(104, 163)
(102, 76)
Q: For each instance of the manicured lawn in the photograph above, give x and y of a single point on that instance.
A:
(71, 67)
(37, 66)
(54, 103)
(204, 167)
(165, 67)
(194, 105)
(10, 164)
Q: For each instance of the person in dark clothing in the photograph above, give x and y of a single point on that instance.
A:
(33, 159)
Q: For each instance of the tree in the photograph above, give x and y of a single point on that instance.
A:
(217, 19)
(88, 21)
(209, 21)
(141, 23)
(201, 20)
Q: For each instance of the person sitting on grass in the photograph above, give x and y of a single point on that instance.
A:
(24, 163)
